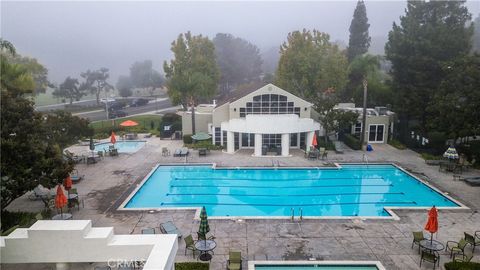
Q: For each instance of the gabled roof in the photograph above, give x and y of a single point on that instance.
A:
(239, 93)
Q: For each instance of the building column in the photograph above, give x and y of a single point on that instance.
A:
(258, 145)
(285, 144)
(309, 139)
(230, 142)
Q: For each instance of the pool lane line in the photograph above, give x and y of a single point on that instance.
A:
(290, 205)
(327, 186)
(286, 195)
(271, 180)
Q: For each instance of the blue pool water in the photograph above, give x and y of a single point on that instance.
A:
(353, 190)
(122, 146)
(319, 267)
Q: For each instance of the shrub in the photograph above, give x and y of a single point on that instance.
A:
(204, 144)
(397, 144)
(321, 143)
(428, 156)
(462, 266)
(352, 142)
(187, 139)
(436, 140)
(21, 219)
(191, 266)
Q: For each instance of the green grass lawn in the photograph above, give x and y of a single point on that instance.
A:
(191, 266)
(146, 124)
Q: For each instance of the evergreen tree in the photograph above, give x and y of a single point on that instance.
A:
(359, 40)
(476, 35)
(430, 34)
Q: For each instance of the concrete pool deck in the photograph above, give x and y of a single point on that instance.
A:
(109, 182)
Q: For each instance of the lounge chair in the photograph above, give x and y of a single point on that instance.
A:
(417, 237)
(190, 245)
(430, 257)
(473, 240)
(113, 152)
(456, 247)
(71, 156)
(234, 261)
(170, 228)
(148, 135)
(177, 152)
(148, 231)
(41, 193)
(472, 181)
(184, 151)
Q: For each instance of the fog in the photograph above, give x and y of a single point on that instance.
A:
(69, 38)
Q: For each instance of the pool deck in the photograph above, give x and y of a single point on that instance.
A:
(110, 181)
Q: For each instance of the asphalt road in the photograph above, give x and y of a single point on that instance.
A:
(151, 106)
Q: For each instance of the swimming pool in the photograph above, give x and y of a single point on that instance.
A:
(311, 265)
(122, 146)
(351, 190)
(315, 266)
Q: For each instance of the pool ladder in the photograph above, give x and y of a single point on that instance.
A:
(300, 217)
(365, 159)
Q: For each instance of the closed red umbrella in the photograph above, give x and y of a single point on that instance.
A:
(113, 140)
(67, 183)
(314, 141)
(432, 222)
(60, 199)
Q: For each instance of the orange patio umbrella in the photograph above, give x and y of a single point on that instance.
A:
(60, 199)
(113, 140)
(128, 123)
(67, 183)
(314, 141)
(432, 222)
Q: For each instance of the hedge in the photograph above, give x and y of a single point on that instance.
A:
(191, 266)
(462, 266)
(187, 139)
(352, 142)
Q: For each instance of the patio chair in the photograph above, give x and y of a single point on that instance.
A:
(177, 152)
(430, 257)
(234, 261)
(202, 152)
(113, 152)
(201, 236)
(148, 231)
(76, 177)
(338, 147)
(472, 240)
(75, 200)
(472, 181)
(170, 228)
(462, 257)
(456, 247)
(148, 135)
(190, 245)
(417, 237)
(165, 151)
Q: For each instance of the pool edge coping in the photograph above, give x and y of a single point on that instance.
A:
(378, 264)
(389, 210)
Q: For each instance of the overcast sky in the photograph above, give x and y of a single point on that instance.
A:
(71, 37)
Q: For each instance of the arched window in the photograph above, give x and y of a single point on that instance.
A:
(269, 104)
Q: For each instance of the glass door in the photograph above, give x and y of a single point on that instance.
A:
(375, 133)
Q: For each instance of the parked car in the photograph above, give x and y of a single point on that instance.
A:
(115, 114)
(139, 102)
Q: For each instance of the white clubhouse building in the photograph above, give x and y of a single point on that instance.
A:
(268, 120)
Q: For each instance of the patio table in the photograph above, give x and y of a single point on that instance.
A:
(431, 245)
(204, 246)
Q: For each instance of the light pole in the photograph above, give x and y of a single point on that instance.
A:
(364, 116)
